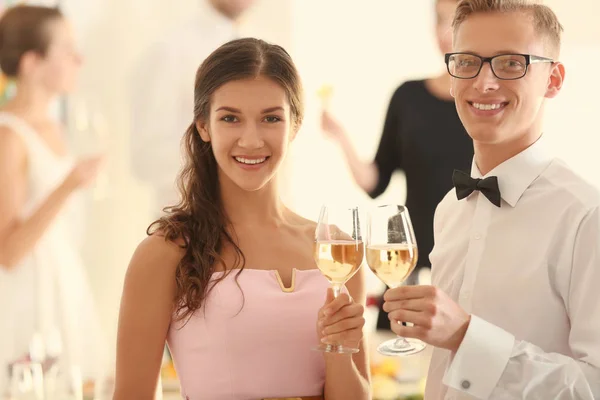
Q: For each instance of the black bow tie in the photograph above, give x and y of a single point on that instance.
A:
(465, 185)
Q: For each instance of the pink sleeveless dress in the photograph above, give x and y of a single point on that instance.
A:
(253, 341)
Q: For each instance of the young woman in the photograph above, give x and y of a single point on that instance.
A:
(228, 278)
(43, 288)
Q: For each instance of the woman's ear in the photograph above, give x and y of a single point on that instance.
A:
(202, 128)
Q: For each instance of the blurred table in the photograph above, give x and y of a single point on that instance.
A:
(396, 378)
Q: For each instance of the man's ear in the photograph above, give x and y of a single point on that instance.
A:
(556, 80)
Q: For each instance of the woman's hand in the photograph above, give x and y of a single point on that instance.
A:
(84, 172)
(340, 321)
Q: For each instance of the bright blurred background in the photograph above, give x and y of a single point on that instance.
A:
(363, 49)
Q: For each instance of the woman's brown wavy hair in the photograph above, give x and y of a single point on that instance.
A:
(199, 221)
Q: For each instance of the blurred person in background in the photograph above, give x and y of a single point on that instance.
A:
(228, 276)
(422, 136)
(44, 293)
(162, 96)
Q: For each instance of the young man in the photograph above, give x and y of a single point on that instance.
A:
(514, 312)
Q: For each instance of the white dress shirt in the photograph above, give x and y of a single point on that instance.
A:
(529, 274)
(163, 98)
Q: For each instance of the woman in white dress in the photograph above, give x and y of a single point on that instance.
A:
(43, 288)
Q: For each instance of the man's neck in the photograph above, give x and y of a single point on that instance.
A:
(489, 156)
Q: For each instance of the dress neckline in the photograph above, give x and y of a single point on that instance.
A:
(275, 272)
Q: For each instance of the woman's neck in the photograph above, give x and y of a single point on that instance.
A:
(252, 208)
(31, 102)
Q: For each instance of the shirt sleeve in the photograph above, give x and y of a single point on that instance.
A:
(389, 157)
(491, 364)
(161, 110)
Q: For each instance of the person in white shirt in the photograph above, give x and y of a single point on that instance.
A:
(161, 97)
(514, 311)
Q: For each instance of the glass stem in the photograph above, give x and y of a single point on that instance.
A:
(337, 289)
(334, 348)
(401, 343)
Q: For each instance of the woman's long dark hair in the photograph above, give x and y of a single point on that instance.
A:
(198, 220)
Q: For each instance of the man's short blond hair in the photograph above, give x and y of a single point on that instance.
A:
(545, 21)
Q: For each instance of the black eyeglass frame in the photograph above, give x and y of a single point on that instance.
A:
(529, 59)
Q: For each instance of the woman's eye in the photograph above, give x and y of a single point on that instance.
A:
(272, 119)
(229, 118)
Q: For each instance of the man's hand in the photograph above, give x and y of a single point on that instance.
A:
(437, 320)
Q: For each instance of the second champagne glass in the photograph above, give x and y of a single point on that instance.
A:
(392, 256)
(339, 252)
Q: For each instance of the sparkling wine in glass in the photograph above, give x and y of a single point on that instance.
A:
(392, 256)
(339, 252)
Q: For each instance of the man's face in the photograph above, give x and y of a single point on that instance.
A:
(494, 110)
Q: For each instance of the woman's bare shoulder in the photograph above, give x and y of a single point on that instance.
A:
(156, 257)
(12, 146)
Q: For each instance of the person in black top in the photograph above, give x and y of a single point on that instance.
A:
(422, 136)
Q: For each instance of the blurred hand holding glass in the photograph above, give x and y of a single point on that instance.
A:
(91, 138)
(325, 93)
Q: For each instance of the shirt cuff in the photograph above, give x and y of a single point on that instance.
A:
(480, 359)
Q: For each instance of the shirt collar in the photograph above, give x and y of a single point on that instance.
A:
(516, 174)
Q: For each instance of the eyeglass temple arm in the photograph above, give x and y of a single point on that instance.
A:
(537, 59)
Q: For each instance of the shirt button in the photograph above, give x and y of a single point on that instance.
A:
(477, 237)
(465, 384)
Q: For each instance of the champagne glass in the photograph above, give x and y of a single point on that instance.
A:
(53, 353)
(27, 381)
(339, 253)
(392, 256)
(68, 384)
(92, 139)
(74, 384)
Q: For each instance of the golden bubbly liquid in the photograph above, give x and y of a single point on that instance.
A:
(392, 263)
(339, 260)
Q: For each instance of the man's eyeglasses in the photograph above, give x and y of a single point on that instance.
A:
(504, 66)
